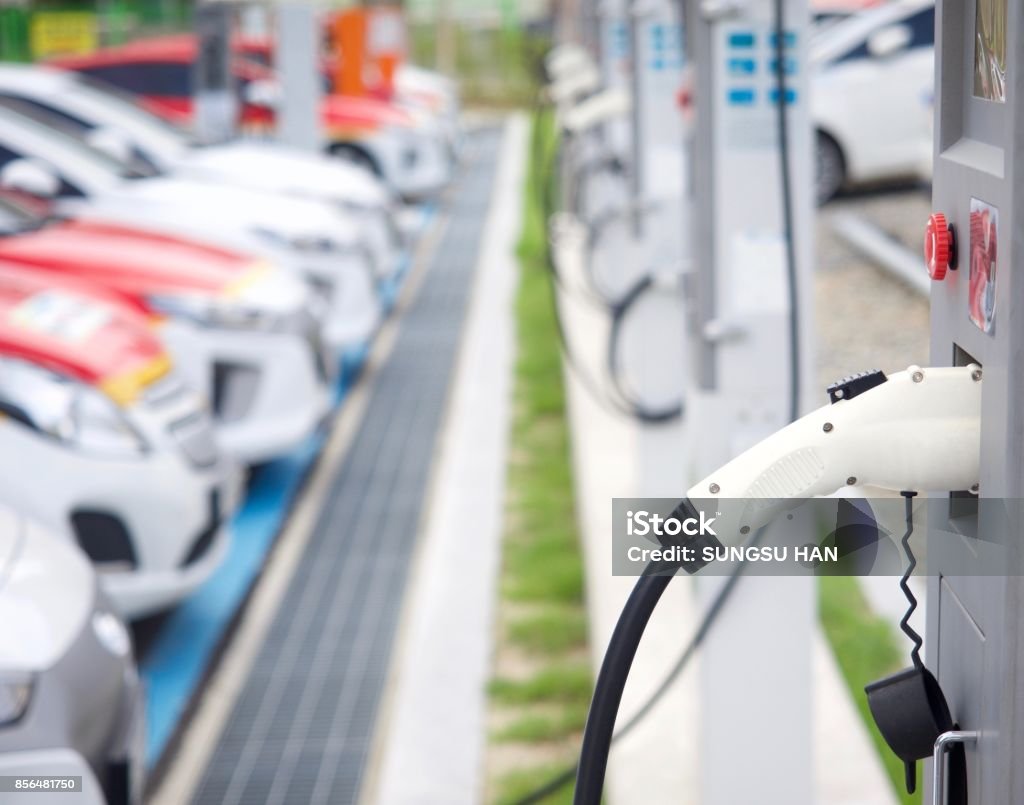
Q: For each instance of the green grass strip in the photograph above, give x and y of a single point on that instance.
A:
(542, 573)
(518, 784)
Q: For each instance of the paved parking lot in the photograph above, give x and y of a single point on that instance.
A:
(866, 318)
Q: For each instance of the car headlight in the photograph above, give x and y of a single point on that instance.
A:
(259, 300)
(211, 311)
(67, 410)
(305, 243)
(15, 695)
(112, 634)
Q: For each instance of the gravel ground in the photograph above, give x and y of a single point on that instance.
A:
(865, 318)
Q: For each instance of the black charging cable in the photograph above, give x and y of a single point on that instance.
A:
(619, 311)
(618, 403)
(715, 608)
(786, 186)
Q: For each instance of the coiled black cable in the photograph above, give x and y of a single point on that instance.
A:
(905, 627)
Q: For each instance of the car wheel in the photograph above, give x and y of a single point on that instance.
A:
(357, 156)
(829, 168)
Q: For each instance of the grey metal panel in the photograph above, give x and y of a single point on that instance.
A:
(301, 728)
(974, 625)
(298, 63)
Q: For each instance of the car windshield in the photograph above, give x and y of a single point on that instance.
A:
(121, 109)
(49, 129)
(849, 36)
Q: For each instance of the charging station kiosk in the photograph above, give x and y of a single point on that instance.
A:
(216, 101)
(298, 61)
(751, 268)
(643, 234)
(975, 629)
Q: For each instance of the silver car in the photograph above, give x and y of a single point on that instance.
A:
(70, 699)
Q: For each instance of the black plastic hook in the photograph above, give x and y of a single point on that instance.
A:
(911, 712)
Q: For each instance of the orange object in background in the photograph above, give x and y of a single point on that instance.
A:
(369, 45)
(386, 44)
(348, 38)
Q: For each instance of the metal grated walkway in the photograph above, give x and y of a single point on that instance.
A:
(301, 728)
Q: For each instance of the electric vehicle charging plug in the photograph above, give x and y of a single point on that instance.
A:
(917, 430)
(569, 88)
(610, 104)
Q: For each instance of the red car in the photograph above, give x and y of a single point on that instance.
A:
(409, 152)
(160, 70)
(96, 338)
(241, 331)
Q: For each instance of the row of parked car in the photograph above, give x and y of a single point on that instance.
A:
(171, 314)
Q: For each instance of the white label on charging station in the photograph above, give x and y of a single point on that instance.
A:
(758, 263)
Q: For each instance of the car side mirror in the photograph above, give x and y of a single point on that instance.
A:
(31, 177)
(112, 142)
(262, 92)
(889, 41)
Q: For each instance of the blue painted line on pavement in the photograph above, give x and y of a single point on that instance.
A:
(176, 662)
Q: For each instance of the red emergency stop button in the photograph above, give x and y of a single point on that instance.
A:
(938, 246)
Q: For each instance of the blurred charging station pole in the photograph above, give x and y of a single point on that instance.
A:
(756, 682)
(297, 58)
(657, 214)
(658, 166)
(615, 60)
(216, 101)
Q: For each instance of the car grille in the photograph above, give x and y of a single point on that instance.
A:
(194, 435)
(104, 538)
(117, 783)
(234, 389)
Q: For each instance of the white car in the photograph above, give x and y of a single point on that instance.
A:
(100, 439)
(113, 120)
(409, 148)
(873, 80)
(70, 699)
(435, 94)
(309, 237)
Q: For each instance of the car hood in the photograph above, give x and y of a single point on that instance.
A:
(213, 207)
(126, 260)
(47, 592)
(77, 331)
(439, 93)
(276, 169)
(357, 113)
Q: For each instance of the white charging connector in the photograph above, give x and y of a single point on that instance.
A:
(917, 430)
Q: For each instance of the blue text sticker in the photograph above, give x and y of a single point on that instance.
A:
(741, 96)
